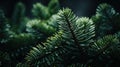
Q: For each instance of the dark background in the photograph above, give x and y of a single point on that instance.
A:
(80, 7)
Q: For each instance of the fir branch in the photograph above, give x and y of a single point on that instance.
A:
(39, 53)
(105, 43)
(74, 28)
(72, 32)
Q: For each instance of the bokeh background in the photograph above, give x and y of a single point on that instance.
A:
(80, 7)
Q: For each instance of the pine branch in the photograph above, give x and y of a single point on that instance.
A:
(40, 11)
(106, 20)
(105, 43)
(74, 28)
(53, 6)
(72, 32)
(46, 55)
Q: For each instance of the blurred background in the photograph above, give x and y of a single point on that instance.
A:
(80, 7)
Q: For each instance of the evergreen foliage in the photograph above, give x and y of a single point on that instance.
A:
(19, 34)
(44, 12)
(59, 38)
(18, 18)
(106, 20)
